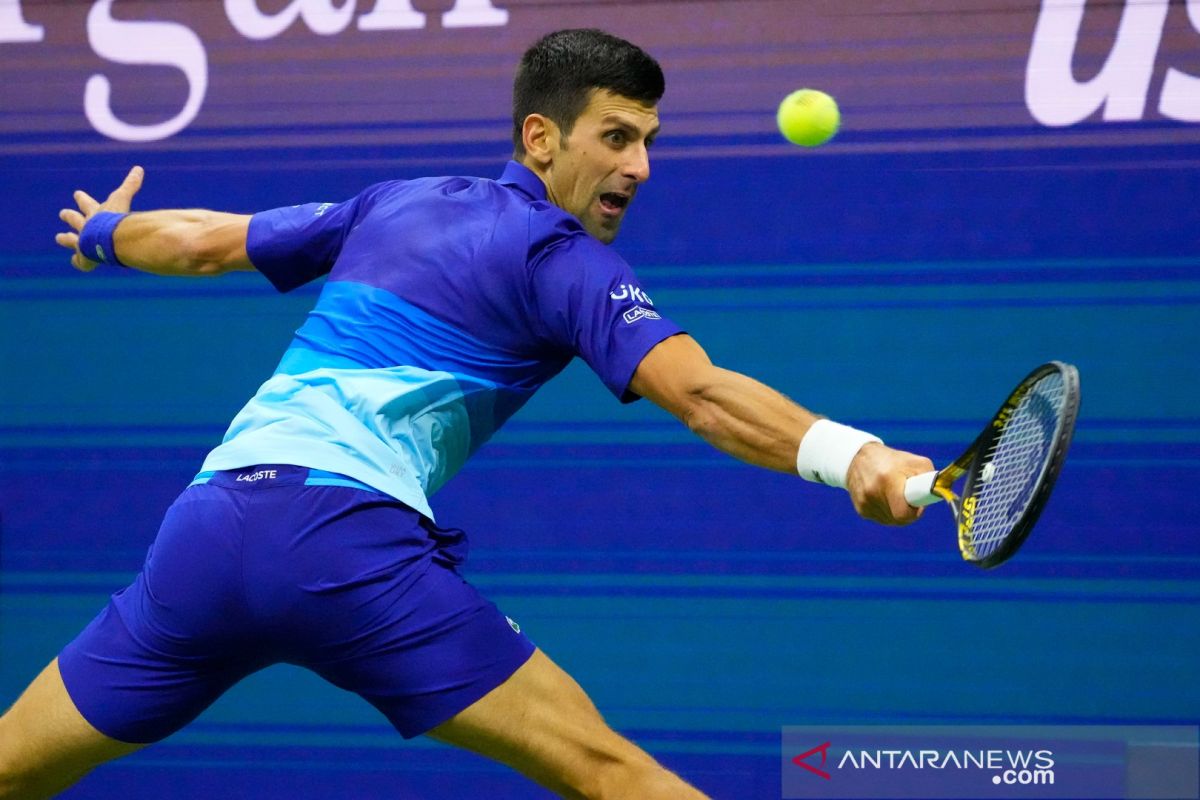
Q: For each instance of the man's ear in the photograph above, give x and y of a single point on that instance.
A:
(541, 138)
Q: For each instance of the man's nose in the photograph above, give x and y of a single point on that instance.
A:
(637, 168)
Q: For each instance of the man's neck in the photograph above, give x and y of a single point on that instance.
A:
(542, 173)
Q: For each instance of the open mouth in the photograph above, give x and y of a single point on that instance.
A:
(614, 202)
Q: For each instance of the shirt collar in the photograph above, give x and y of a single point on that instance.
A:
(522, 178)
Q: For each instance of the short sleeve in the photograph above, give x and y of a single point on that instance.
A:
(297, 244)
(590, 302)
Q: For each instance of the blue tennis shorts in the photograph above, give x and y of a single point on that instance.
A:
(275, 563)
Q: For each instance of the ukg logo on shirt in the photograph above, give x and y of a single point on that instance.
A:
(627, 291)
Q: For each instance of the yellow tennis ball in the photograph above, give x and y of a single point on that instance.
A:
(808, 117)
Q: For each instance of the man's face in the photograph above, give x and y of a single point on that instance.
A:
(596, 171)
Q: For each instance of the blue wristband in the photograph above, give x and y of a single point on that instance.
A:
(96, 238)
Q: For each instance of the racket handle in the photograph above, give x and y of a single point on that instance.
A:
(918, 490)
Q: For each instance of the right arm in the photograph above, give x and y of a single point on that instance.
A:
(583, 292)
(758, 425)
(177, 242)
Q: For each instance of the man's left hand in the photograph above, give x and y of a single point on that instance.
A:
(119, 201)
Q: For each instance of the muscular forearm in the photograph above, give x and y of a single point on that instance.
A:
(736, 414)
(748, 420)
(183, 242)
(191, 242)
(757, 424)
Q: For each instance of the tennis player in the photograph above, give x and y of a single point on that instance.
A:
(307, 536)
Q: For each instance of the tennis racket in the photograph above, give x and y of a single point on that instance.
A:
(1010, 469)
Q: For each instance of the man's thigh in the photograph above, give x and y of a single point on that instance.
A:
(46, 744)
(542, 724)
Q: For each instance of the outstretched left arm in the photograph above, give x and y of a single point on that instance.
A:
(171, 242)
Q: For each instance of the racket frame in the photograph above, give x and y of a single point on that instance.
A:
(970, 464)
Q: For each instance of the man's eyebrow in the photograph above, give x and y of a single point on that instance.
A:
(620, 122)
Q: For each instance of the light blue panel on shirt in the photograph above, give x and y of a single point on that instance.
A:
(356, 325)
(379, 390)
(401, 430)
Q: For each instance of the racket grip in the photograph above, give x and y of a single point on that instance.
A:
(918, 490)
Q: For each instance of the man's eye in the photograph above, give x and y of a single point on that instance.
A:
(616, 137)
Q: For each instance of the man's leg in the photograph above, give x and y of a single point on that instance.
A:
(45, 743)
(542, 724)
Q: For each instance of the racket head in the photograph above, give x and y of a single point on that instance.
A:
(1012, 466)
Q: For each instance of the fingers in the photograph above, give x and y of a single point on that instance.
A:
(900, 511)
(71, 242)
(888, 508)
(876, 483)
(908, 465)
(118, 200)
(87, 204)
(72, 218)
(122, 197)
(82, 264)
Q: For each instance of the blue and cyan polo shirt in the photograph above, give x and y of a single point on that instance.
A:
(449, 302)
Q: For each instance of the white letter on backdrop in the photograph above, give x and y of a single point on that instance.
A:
(14, 28)
(1052, 94)
(319, 15)
(474, 14)
(160, 43)
(392, 15)
(1181, 92)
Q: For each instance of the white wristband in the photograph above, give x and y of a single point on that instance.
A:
(827, 450)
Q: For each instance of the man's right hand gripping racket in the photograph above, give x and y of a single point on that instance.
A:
(1010, 469)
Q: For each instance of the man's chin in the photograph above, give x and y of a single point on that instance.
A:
(605, 231)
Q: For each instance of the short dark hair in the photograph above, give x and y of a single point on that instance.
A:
(557, 74)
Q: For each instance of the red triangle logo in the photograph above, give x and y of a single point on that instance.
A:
(823, 749)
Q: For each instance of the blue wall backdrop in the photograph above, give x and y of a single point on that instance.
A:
(1013, 183)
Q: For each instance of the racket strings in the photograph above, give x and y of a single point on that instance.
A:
(1015, 463)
